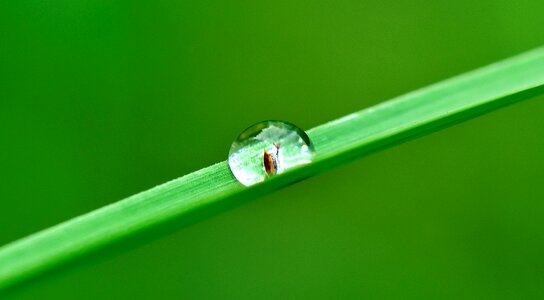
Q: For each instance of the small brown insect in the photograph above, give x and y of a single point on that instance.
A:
(270, 161)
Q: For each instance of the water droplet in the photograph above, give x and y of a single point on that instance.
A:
(267, 149)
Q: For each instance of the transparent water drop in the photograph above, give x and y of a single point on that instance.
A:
(268, 149)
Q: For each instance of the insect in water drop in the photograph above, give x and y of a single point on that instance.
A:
(255, 155)
(271, 161)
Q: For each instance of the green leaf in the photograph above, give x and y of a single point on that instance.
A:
(205, 192)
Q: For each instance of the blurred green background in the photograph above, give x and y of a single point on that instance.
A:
(103, 99)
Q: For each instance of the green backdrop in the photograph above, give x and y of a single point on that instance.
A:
(102, 99)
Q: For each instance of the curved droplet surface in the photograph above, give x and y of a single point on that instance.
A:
(268, 149)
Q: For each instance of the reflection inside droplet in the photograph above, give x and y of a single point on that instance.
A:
(268, 149)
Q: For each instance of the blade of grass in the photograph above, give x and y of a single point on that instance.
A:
(202, 193)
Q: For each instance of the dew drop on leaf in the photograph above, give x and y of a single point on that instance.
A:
(268, 149)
